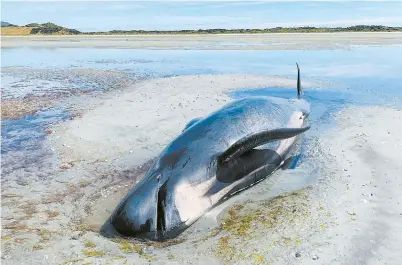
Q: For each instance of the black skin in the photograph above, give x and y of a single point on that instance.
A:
(204, 152)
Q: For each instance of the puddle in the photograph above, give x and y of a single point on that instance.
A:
(22, 134)
(22, 146)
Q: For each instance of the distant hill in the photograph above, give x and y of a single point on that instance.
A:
(357, 28)
(6, 24)
(53, 29)
(36, 29)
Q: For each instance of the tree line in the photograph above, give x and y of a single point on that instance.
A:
(51, 28)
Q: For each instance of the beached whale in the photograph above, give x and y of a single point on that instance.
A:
(212, 159)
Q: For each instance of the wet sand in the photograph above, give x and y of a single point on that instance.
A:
(342, 205)
(276, 41)
(364, 187)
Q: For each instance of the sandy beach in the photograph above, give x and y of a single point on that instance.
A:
(342, 205)
(85, 115)
(363, 170)
(276, 41)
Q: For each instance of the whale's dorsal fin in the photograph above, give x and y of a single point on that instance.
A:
(253, 140)
(298, 82)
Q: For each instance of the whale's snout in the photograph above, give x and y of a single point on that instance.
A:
(137, 212)
(147, 212)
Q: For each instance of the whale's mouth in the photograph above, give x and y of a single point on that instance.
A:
(161, 206)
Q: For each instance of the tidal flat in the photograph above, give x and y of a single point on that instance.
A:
(267, 41)
(82, 124)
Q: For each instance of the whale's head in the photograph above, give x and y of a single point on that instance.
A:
(154, 208)
(148, 211)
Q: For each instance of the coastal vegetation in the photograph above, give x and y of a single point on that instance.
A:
(36, 29)
(53, 29)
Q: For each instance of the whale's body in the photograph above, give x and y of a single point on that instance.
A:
(212, 159)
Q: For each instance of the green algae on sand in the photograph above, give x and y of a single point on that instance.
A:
(249, 230)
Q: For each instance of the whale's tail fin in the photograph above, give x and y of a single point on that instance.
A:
(298, 82)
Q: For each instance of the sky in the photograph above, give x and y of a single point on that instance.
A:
(173, 15)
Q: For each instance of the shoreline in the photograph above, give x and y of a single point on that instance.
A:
(270, 41)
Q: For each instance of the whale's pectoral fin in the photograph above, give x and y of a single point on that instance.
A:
(191, 123)
(257, 139)
(246, 163)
